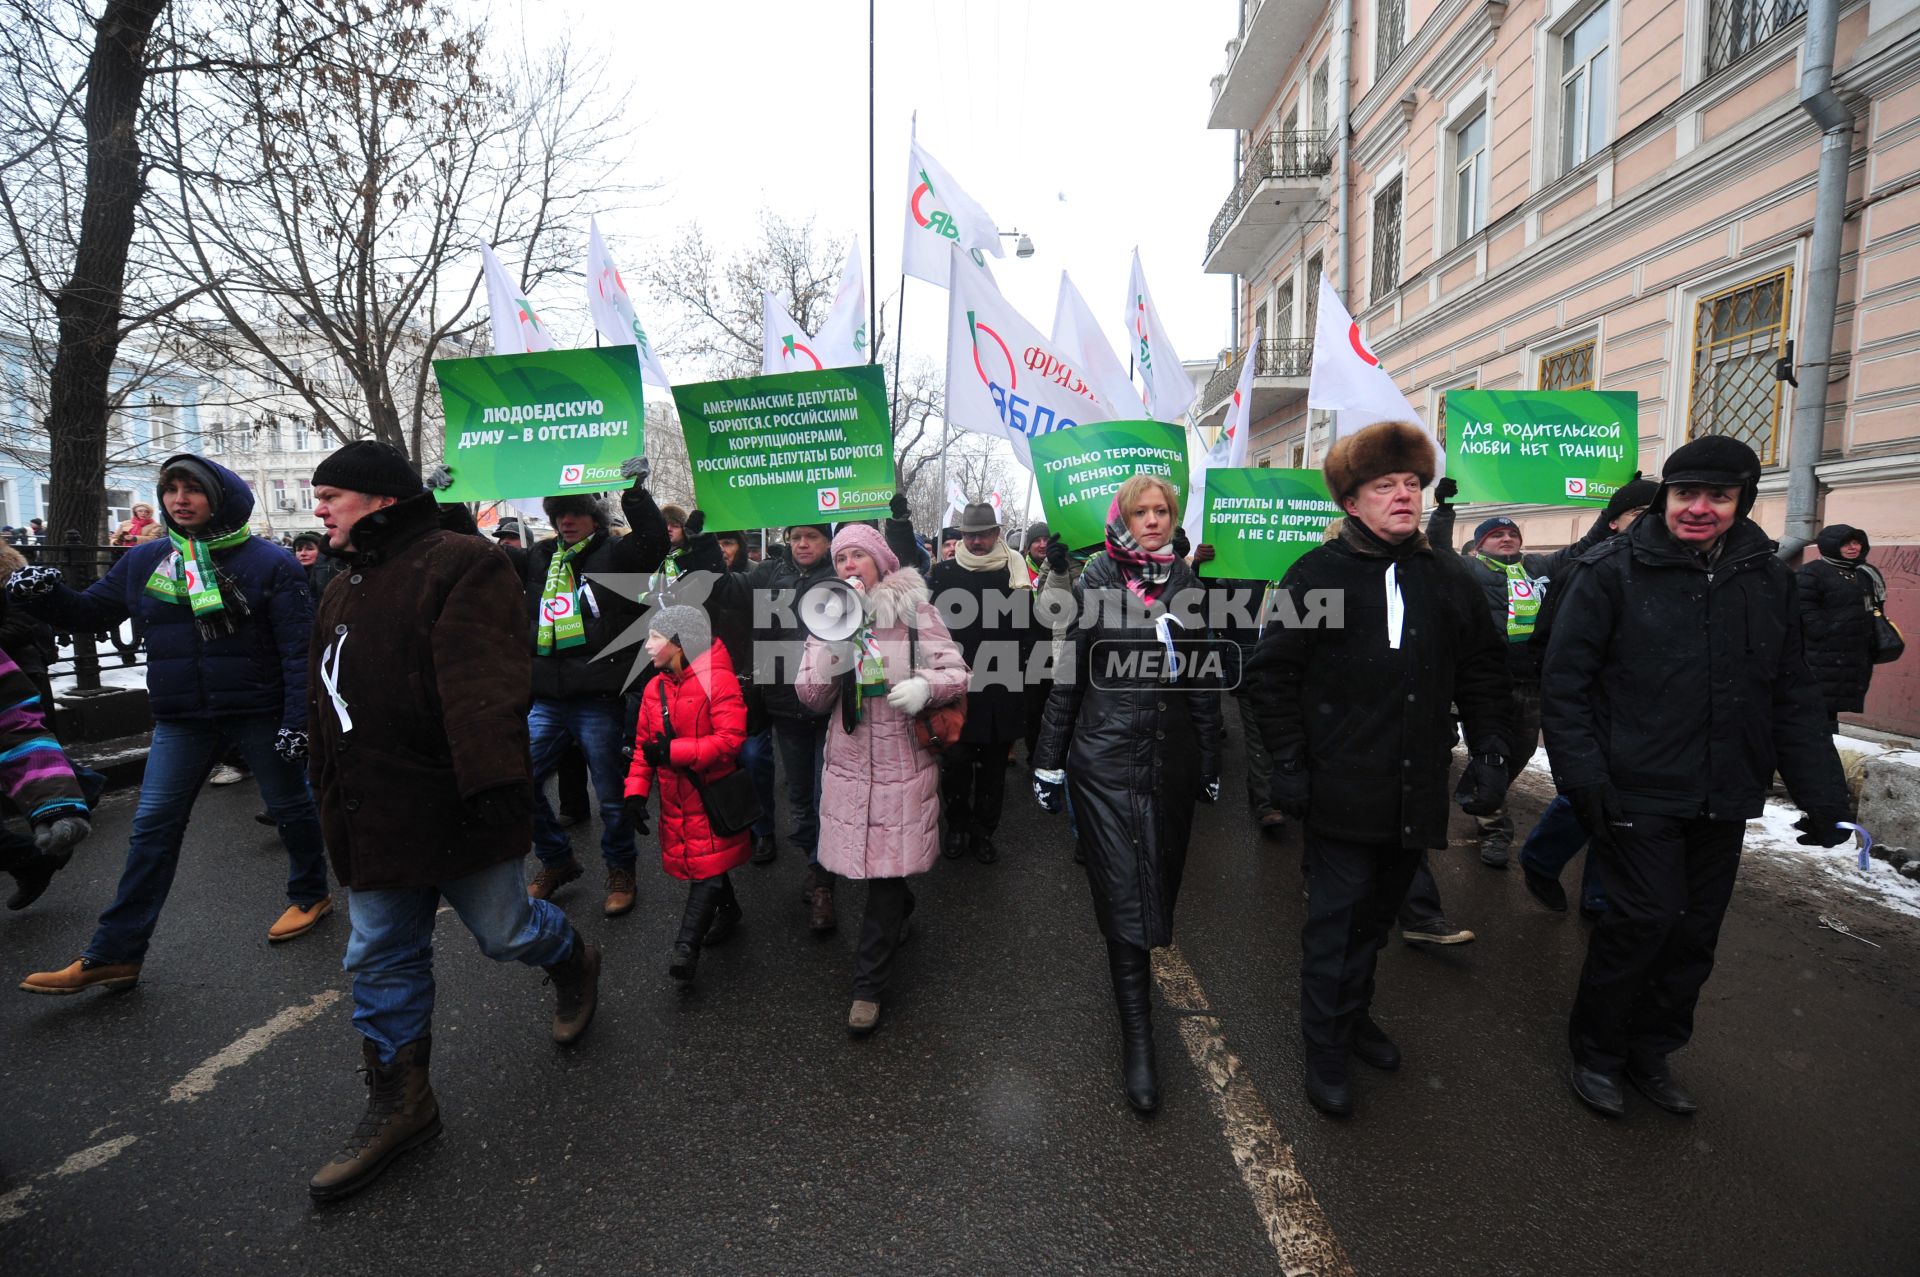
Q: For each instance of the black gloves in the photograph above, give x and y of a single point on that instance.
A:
(1445, 490)
(1202, 553)
(657, 751)
(290, 745)
(1822, 829)
(502, 805)
(1483, 785)
(1057, 555)
(1598, 808)
(635, 808)
(1287, 790)
(898, 505)
(696, 522)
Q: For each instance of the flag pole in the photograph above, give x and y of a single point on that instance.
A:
(873, 298)
(899, 327)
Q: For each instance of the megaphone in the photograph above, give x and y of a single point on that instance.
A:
(832, 609)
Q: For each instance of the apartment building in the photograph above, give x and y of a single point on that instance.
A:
(1610, 194)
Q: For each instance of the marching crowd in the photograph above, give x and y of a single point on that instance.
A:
(404, 691)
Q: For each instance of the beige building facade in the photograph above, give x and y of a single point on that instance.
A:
(1608, 194)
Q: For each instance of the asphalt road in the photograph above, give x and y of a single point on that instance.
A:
(737, 1129)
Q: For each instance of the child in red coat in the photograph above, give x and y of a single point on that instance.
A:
(693, 721)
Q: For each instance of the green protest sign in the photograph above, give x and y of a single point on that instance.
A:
(1542, 447)
(1078, 471)
(1260, 520)
(540, 424)
(793, 447)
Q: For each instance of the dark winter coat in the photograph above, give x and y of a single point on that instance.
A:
(1523, 657)
(260, 668)
(605, 611)
(993, 624)
(1836, 597)
(435, 671)
(709, 727)
(324, 569)
(1136, 750)
(1373, 725)
(1686, 685)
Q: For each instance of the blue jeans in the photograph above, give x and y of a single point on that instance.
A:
(803, 752)
(594, 723)
(757, 757)
(1556, 840)
(390, 953)
(183, 752)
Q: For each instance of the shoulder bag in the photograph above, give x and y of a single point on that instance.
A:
(936, 728)
(731, 803)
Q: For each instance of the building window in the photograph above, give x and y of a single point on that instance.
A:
(1317, 113)
(1585, 87)
(1385, 275)
(119, 506)
(1738, 335)
(1260, 322)
(306, 495)
(1291, 125)
(1569, 369)
(1736, 27)
(1389, 33)
(1469, 195)
(1283, 312)
(6, 502)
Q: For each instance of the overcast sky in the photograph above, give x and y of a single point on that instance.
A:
(1081, 122)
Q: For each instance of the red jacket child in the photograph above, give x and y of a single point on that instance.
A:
(709, 725)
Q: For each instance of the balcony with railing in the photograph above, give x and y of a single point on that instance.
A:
(1283, 178)
(1275, 33)
(1280, 372)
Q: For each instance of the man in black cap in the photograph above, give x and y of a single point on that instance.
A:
(1675, 684)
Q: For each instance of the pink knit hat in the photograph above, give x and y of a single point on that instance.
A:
(859, 536)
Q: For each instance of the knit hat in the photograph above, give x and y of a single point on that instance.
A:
(1488, 525)
(858, 536)
(1636, 494)
(1716, 461)
(1386, 447)
(313, 539)
(1035, 530)
(674, 514)
(824, 529)
(574, 503)
(369, 466)
(685, 625)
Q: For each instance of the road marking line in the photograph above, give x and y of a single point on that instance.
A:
(14, 1204)
(249, 1044)
(1299, 1231)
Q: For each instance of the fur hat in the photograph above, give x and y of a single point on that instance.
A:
(861, 537)
(674, 514)
(1387, 447)
(575, 503)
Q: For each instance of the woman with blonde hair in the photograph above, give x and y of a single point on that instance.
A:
(1130, 738)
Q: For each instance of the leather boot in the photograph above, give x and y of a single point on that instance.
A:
(703, 901)
(726, 917)
(401, 1114)
(576, 990)
(820, 914)
(1132, 986)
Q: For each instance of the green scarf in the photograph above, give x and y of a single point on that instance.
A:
(1523, 597)
(560, 623)
(188, 573)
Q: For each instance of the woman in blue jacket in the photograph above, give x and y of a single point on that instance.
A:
(226, 617)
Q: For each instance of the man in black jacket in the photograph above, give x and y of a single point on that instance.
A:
(1675, 684)
(1357, 717)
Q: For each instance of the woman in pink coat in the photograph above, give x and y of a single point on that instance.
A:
(880, 792)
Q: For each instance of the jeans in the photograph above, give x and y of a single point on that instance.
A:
(1421, 905)
(1524, 714)
(757, 757)
(390, 953)
(803, 754)
(1556, 840)
(592, 722)
(183, 753)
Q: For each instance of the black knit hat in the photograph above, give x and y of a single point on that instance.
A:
(824, 529)
(1717, 461)
(1635, 494)
(369, 466)
(313, 539)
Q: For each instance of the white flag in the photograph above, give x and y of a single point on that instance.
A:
(784, 345)
(1347, 379)
(517, 329)
(956, 503)
(1168, 390)
(842, 340)
(939, 215)
(1229, 449)
(1003, 378)
(612, 309)
(1079, 339)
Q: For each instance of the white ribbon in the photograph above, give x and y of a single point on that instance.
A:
(1396, 608)
(330, 678)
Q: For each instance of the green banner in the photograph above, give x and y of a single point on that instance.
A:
(1260, 520)
(1542, 447)
(540, 424)
(1078, 471)
(792, 447)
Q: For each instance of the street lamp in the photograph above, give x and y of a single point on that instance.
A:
(1022, 244)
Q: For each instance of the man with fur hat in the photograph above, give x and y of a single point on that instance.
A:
(1357, 718)
(1673, 689)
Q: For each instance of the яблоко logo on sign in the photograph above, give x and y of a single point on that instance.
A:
(829, 498)
(572, 475)
(1576, 487)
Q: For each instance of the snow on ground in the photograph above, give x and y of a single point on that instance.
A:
(112, 674)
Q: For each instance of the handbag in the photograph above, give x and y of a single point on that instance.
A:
(1887, 644)
(731, 802)
(937, 728)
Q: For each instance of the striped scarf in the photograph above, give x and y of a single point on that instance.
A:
(189, 576)
(560, 623)
(1146, 572)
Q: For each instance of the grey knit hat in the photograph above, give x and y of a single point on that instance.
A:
(685, 625)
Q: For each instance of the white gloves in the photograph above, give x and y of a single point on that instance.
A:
(910, 696)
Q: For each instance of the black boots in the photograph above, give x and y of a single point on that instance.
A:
(401, 1114)
(576, 990)
(726, 916)
(1132, 995)
(703, 906)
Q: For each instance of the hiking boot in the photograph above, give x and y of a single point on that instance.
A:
(576, 990)
(553, 877)
(863, 1018)
(765, 851)
(620, 888)
(401, 1114)
(1436, 931)
(299, 919)
(83, 974)
(820, 914)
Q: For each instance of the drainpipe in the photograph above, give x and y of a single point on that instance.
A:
(1342, 106)
(1234, 281)
(1806, 436)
